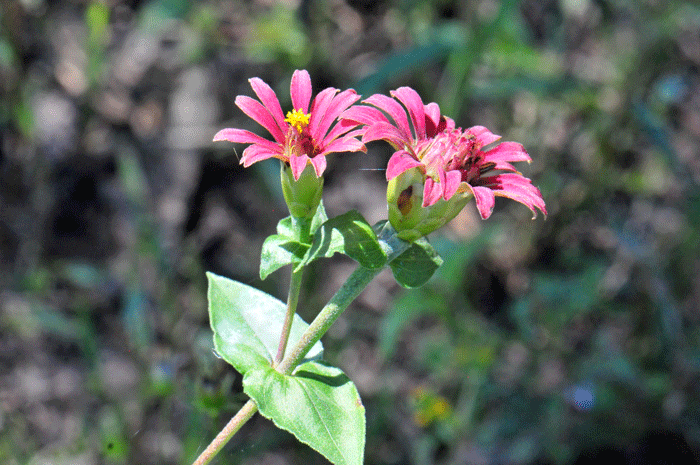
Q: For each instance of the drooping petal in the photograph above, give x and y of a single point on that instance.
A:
(416, 111)
(483, 135)
(518, 188)
(300, 90)
(242, 136)
(337, 106)
(269, 99)
(319, 164)
(398, 163)
(507, 151)
(298, 163)
(256, 153)
(394, 110)
(485, 200)
(256, 111)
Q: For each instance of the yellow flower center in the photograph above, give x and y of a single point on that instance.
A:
(298, 119)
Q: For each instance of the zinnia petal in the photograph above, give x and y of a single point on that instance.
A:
(244, 137)
(255, 153)
(432, 192)
(298, 164)
(336, 106)
(318, 109)
(393, 109)
(269, 99)
(485, 200)
(319, 164)
(398, 163)
(507, 151)
(300, 90)
(260, 114)
(413, 102)
(452, 181)
(483, 135)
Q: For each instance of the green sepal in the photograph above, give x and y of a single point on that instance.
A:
(349, 234)
(318, 404)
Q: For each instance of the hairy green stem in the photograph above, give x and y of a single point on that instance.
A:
(225, 435)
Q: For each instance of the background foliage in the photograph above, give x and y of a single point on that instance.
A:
(557, 341)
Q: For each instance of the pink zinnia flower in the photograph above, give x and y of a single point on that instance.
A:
(304, 135)
(452, 160)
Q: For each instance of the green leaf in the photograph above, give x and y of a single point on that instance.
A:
(318, 404)
(247, 324)
(349, 234)
(278, 251)
(416, 266)
(287, 247)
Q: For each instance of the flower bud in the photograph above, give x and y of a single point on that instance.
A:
(303, 195)
(407, 215)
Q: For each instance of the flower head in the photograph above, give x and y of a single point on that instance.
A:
(306, 135)
(452, 161)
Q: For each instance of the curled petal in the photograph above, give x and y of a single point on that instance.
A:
(413, 102)
(398, 163)
(300, 90)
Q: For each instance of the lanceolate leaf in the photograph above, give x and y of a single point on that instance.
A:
(416, 266)
(247, 324)
(349, 234)
(318, 404)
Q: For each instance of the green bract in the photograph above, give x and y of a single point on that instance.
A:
(409, 218)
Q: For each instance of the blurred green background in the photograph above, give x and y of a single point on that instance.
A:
(567, 340)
